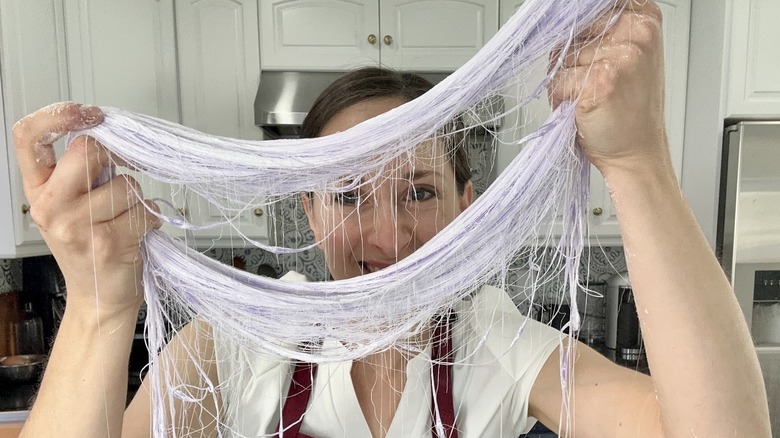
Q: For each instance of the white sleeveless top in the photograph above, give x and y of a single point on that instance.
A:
(498, 354)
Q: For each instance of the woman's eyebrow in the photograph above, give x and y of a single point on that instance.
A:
(422, 173)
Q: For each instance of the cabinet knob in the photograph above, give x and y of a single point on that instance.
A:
(388, 40)
(597, 211)
(372, 39)
(258, 212)
(25, 208)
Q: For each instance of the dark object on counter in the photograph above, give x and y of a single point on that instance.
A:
(267, 271)
(29, 332)
(633, 354)
(630, 350)
(21, 368)
(556, 316)
(8, 316)
(560, 317)
(44, 287)
(628, 335)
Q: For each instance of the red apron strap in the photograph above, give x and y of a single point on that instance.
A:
(442, 378)
(297, 400)
(301, 386)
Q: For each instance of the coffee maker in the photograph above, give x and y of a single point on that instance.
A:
(623, 336)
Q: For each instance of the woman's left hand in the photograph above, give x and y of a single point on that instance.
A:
(616, 72)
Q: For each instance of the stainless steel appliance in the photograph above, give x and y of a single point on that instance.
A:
(622, 333)
(284, 97)
(748, 240)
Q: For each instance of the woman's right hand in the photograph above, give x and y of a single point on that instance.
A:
(94, 233)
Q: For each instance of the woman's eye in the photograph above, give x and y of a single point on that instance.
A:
(419, 195)
(347, 198)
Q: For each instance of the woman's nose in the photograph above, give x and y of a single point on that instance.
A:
(389, 230)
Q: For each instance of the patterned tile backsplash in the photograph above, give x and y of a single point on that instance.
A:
(10, 275)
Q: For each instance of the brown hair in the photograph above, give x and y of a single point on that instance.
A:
(372, 83)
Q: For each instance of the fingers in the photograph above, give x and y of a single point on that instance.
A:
(646, 7)
(81, 165)
(637, 10)
(113, 241)
(591, 64)
(113, 198)
(630, 21)
(35, 134)
(134, 223)
(570, 83)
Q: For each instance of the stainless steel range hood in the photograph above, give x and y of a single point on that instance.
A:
(284, 97)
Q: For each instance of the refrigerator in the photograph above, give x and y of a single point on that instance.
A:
(748, 239)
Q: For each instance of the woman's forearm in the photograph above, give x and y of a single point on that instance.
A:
(84, 388)
(704, 366)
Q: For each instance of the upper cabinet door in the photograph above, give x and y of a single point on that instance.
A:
(34, 74)
(219, 71)
(319, 34)
(754, 61)
(219, 65)
(434, 35)
(123, 54)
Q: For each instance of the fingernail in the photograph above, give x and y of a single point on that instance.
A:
(91, 114)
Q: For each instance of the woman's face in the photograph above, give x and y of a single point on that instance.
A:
(377, 225)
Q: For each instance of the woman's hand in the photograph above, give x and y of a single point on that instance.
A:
(693, 329)
(94, 233)
(617, 73)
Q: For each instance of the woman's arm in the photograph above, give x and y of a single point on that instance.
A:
(94, 234)
(704, 365)
(705, 371)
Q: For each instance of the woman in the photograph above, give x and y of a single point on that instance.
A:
(707, 386)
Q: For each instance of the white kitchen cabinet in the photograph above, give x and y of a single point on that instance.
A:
(219, 71)
(124, 55)
(195, 62)
(319, 34)
(439, 35)
(602, 220)
(429, 35)
(34, 74)
(754, 60)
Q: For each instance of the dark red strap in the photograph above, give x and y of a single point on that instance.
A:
(441, 393)
(297, 400)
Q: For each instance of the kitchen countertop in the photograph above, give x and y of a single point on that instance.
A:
(13, 417)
